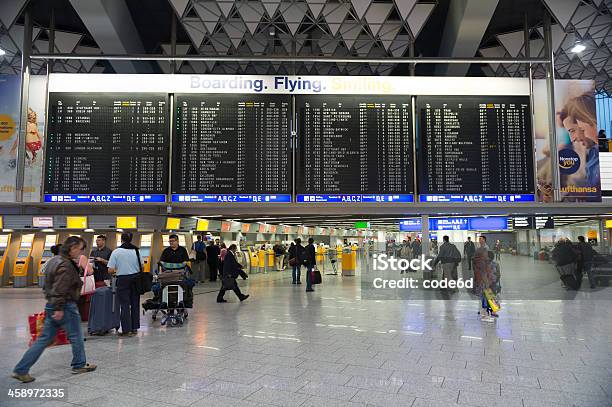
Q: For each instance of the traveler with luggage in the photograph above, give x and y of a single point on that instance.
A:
(231, 270)
(212, 258)
(310, 262)
(62, 289)
(482, 276)
(587, 253)
(198, 265)
(469, 249)
(101, 254)
(450, 258)
(566, 257)
(125, 263)
(296, 259)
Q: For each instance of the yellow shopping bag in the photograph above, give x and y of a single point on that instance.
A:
(491, 300)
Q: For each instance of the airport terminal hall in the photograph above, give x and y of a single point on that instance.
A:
(306, 203)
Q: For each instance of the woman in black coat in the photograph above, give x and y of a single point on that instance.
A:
(231, 270)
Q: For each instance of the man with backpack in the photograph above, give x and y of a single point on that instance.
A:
(450, 258)
(199, 265)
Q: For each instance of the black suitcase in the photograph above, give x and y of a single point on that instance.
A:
(103, 311)
(572, 281)
(316, 276)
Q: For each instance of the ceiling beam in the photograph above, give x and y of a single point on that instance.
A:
(466, 23)
(112, 27)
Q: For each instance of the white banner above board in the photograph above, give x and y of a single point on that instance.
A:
(330, 85)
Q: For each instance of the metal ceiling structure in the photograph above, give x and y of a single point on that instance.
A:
(311, 28)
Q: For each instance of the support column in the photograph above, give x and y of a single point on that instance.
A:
(23, 113)
(425, 231)
(51, 40)
(173, 42)
(550, 88)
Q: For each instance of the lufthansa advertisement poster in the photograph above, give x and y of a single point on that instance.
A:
(576, 135)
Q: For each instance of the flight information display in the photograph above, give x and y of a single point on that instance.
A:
(475, 148)
(232, 148)
(354, 149)
(107, 148)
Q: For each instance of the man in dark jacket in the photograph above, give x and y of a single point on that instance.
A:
(587, 253)
(212, 258)
(309, 261)
(231, 270)
(296, 252)
(62, 289)
(469, 249)
(175, 253)
(450, 258)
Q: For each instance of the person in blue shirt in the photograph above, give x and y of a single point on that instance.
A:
(125, 263)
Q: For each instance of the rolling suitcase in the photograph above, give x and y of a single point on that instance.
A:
(103, 312)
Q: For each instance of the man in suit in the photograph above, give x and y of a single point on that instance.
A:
(231, 270)
(309, 262)
(469, 249)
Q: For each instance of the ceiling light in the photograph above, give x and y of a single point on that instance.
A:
(578, 48)
(2, 52)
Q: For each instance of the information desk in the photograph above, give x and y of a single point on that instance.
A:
(475, 148)
(355, 148)
(103, 145)
(232, 145)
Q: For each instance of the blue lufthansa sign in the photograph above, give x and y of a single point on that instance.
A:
(105, 198)
(355, 198)
(477, 198)
(228, 198)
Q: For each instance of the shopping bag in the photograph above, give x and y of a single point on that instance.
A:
(89, 284)
(491, 300)
(37, 322)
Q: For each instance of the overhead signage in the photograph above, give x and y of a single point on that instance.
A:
(105, 198)
(355, 198)
(608, 223)
(173, 223)
(545, 222)
(226, 226)
(202, 225)
(287, 84)
(531, 222)
(246, 227)
(469, 198)
(362, 225)
(76, 222)
(456, 223)
(127, 222)
(215, 198)
(42, 222)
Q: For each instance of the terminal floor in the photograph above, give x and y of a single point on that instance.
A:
(285, 347)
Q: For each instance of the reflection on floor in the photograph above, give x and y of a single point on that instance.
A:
(285, 347)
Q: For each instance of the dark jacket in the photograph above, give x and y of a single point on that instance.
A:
(587, 253)
(309, 255)
(448, 254)
(63, 282)
(179, 255)
(297, 251)
(417, 249)
(564, 254)
(212, 254)
(231, 267)
(469, 248)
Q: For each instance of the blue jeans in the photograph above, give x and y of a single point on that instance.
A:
(308, 277)
(71, 323)
(296, 273)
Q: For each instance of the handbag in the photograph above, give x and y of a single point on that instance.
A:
(37, 323)
(315, 277)
(293, 262)
(228, 283)
(89, 284)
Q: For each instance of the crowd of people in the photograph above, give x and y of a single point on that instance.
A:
(573, 260)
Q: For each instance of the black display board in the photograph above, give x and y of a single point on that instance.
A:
(107, 144)
(232, 144)
(354, 144)
(475, 145)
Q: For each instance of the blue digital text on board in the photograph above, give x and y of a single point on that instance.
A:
(456, 223)
(477, 198)
(105, 198)
(230, 198)
(345, 198)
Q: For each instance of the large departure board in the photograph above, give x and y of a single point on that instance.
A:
(475, 148)
(232, 147)
(107, 147)
(354, 148)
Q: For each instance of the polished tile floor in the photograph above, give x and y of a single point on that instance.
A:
(284, 347)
